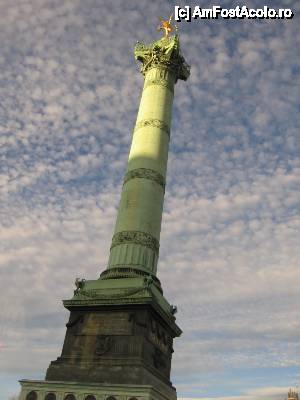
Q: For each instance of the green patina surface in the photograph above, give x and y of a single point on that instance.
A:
(135, 244)
(123, 291)
(140, 211)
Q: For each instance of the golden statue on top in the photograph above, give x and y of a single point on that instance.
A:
(292, 395)
(165, 25)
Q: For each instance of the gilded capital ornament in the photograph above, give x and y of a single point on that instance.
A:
(163, 53)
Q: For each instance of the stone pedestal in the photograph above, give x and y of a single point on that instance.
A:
(120, 334)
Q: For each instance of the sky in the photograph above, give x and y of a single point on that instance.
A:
(229, 254)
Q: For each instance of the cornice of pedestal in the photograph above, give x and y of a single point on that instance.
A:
(163, 53)
(125, 292)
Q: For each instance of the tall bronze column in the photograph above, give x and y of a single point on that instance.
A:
(136, 240)
(119, 338)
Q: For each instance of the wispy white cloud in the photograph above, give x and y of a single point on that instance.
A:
(253, 394)
(229, 243)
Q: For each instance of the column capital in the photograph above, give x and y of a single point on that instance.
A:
(163, 53)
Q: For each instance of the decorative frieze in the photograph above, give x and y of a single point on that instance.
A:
(154, 123)
(120, 294)
(136, 237)
(160, 82)
(145, 173)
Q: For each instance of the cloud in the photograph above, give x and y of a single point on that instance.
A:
(229, 242)
(253, 394)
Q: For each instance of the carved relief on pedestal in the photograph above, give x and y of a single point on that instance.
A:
(137, 321)
(103, 344)
(107, 324)
(158, 360)
(158, 337)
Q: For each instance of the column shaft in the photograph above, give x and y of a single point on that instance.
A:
(136, 237)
